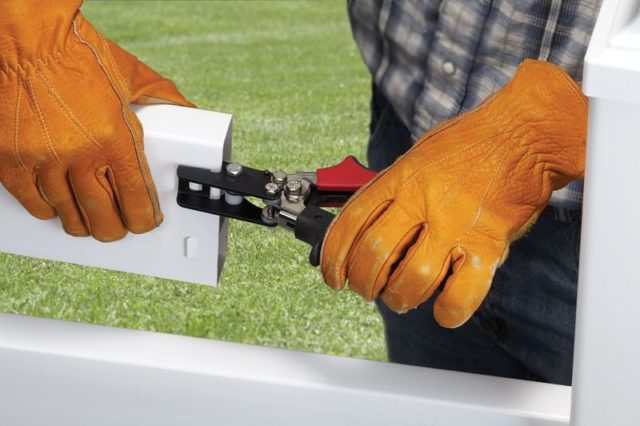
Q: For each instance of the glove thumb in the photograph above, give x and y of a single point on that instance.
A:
(145, 85)
(466, 287)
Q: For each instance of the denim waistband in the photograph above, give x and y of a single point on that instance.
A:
(563, 215)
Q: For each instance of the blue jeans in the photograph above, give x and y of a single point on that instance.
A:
(525, 327)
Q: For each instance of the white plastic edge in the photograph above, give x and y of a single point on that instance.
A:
(613, 57)
(61, 373)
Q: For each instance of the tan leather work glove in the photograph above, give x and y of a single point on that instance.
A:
(69, 143)
(449, 208)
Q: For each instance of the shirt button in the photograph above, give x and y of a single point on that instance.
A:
(448, 67)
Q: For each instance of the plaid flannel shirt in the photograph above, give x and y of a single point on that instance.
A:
(433, 59)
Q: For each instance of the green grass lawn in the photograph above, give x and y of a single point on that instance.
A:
(294, 80)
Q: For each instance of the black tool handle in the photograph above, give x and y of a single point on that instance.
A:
(311, 227)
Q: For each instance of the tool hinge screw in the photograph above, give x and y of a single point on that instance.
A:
(271, 188)
(294, 187)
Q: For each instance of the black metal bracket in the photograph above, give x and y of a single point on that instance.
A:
(250, 183)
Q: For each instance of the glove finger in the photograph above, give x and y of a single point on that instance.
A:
(55, 187)
(97, 202)
(379, 248)
(23, 187)
(145, 85)
(342, 233)
(362, 209)
(418, 275)
(466, 288)
(135, 191)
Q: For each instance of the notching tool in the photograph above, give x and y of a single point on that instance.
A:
(292, 201)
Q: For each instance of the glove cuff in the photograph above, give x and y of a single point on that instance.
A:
(34, 30)
(544, 109)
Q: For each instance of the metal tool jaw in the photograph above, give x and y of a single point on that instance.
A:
(292, 201)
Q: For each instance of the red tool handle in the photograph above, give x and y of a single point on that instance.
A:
(348, 176)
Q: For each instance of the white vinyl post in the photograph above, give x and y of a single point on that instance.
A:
(606, 379)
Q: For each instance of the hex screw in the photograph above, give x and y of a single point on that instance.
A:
(279, 177)
(234, 169)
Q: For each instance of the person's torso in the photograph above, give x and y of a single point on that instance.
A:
(435, 58)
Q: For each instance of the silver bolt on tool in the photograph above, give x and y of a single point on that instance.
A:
(268, 215)
(279, 177)
(271, 188)
(293, 190)
(294, 187)
(234, 169)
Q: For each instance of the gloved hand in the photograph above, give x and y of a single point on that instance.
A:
(69, 143)
(449, 208)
